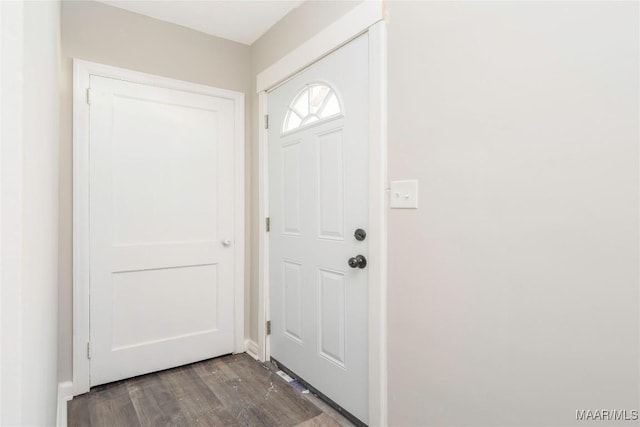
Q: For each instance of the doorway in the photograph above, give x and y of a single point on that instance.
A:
(316, 51)
(158, 231)
(318, 194)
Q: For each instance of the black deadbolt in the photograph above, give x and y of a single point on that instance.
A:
(360, 234)
(358, 261)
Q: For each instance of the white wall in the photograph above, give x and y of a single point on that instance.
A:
(513, 290)
(96, 32)
(11, 50)
(30, 120)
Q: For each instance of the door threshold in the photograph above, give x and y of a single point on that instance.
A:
(348, 415)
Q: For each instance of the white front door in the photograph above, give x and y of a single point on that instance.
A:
(318, 198)
(161, 228)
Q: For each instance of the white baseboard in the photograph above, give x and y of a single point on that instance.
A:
(252, 348)
(65, 394)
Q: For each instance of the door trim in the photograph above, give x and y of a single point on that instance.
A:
(82, 71)
(377, 192)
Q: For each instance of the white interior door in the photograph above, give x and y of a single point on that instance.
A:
(318, 198)
(161, 228)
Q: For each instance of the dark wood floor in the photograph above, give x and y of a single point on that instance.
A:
(232, 390)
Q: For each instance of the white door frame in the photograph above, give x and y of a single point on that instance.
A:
(82, 71)
(366, 17)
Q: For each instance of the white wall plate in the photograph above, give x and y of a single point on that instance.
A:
(404, 194)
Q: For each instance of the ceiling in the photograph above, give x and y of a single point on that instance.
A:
(242, 21)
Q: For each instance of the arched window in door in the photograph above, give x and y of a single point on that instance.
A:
(315, 103)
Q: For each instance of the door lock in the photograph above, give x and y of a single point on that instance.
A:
(360, 234)
(359, 261)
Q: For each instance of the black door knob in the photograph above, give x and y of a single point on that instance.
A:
(359, 261)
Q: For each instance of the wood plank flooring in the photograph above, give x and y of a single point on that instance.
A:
(232, 390)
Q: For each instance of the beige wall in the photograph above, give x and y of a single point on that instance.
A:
(295, 28)
(95, 32)
(513, 290)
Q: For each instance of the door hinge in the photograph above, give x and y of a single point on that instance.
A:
(268, 327)
(267, 223)
(89, 99)
(88, 350)
(266, 121)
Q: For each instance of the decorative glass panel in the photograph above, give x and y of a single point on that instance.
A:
(315, 103)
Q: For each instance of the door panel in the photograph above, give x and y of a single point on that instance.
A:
(291, 188)
(160, 207)
(331, 319)
(331, 185)
(292, 282)
(318, 197)
(166, 318)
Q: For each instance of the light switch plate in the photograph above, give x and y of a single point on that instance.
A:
(404, 194)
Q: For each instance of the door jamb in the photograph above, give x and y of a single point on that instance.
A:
(82, 71)
(367, 17)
